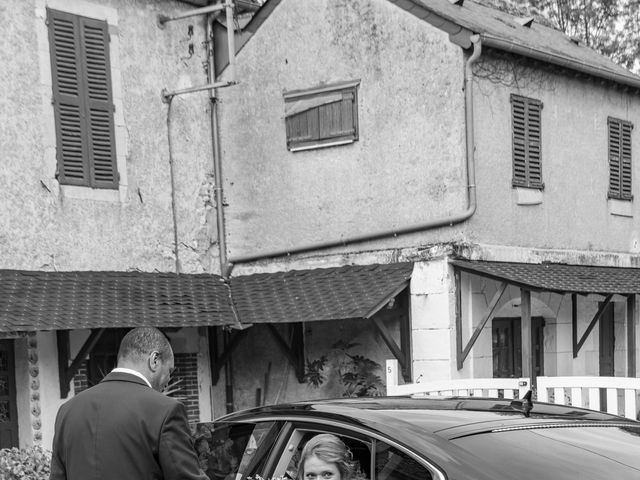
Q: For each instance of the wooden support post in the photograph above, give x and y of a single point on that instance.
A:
(528, 362)
(458, 292)
(62, 338)
(574, 323)
(632, 313)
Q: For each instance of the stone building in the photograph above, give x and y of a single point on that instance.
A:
(433, 181)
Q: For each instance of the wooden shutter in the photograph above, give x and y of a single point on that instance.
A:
(83, 100)
(527, 142)
(325, 121)
(620, 159)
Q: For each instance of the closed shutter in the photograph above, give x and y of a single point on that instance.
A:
(321, 119)
(83, 100)
(527, 142)
(620, 159)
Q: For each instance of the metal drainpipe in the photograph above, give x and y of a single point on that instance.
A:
(217, 163)
(438, 222)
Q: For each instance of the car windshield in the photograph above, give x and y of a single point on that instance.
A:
(560, 453)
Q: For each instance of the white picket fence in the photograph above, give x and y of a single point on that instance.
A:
(622, 393)
(478, 387)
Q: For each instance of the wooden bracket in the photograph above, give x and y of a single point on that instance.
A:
(577, 345)
(66, 372)
(295, 351)
(463, 353)
(216, 362)
(402, 352)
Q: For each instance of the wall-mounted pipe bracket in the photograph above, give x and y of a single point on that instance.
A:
(168, 95)
(163, 19)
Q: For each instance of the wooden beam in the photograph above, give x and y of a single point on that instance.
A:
(218, 361)
(632, 313)
(574, 323)
(487, 316)
(400, 313)
(458, 313)
(596, 318)
(67, 373)
(528, 362)
(62, 339)
(294, 352)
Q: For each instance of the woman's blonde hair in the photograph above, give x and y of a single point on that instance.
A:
(328, 448)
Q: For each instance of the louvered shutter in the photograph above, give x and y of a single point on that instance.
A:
(527, 141)
(82, 100)
(620, 159)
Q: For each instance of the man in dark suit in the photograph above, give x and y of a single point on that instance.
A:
(124, 428)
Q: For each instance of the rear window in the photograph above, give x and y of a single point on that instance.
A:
(559, 453)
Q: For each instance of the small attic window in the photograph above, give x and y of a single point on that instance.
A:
(322, 117)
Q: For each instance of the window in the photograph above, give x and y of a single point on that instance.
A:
(527, 162)
(620, 159)
(83, 102)
(322, 117)
(393, 464)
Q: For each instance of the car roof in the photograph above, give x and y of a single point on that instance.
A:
(448, 417)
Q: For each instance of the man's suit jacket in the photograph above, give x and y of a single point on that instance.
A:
(121, 429)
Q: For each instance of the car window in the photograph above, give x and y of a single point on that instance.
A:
(393, 464)
(234, 451)
(288, 464)
(588, 453)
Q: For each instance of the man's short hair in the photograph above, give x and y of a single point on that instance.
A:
(138, 343)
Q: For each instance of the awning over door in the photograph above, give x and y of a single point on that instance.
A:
(560, 278)
(35, 300)
(353, 291)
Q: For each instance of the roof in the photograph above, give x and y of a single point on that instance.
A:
(38, 300)
(497, 29)
(354, 291)
(558, 277)
(506, 32)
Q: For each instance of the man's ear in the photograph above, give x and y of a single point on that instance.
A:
(154, 361)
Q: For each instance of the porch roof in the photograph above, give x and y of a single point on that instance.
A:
(37, 300)
(353, 291)
(558, 277)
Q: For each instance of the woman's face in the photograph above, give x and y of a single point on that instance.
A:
(316, 469)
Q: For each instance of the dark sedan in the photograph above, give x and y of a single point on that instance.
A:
(398, 438)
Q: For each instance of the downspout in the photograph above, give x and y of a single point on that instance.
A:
(215, 141)
(435, 223)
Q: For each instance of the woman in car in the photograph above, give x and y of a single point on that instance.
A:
(326, 457)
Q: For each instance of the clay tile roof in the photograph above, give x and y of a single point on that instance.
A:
(318, 294)
(556, 277)
(36, 300)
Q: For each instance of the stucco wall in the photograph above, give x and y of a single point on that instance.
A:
(574, 212)
(44, 227)
(259, 363)
(406, 167)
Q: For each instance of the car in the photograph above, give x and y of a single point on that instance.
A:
(405, 438)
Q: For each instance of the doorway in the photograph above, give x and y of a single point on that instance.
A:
(8, 408)
(506, 334)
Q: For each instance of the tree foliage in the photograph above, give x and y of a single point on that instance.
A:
(611, 27)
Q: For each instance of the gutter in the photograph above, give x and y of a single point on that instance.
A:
(511, 47)
(427, 225)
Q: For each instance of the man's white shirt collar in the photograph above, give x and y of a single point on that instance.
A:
(132, 372)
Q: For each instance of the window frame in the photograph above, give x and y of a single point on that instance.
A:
(526, 140)
(319, 107)
(620, 161)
